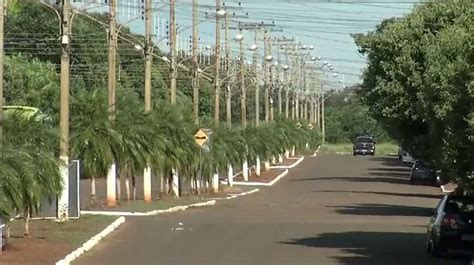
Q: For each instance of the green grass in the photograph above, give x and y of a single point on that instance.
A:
(381, 149)
(73, 232)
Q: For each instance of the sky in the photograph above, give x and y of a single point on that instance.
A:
(326, 24)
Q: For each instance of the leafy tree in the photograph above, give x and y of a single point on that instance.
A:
(419, 83)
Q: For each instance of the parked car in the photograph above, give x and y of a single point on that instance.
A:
(451, 228)
(407, 158)
(364, 145)
(422, 172)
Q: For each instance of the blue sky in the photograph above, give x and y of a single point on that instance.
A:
(326, 24)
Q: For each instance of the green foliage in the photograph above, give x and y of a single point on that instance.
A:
(419, 83)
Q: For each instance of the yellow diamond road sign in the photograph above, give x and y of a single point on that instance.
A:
(201, 137)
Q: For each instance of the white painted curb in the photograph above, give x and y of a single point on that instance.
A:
(443, 189)
(91, 242)
(290, 166)
(283, 174)
(153, 212)
(316, 152)
(233, 196)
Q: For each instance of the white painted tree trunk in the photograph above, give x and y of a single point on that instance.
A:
(111, 185)
(119, 189)
(230, 175)
(293, 151)
(258, 169)
(175, 183)
(127, 188)
(162, 183)
(215, 182)
(274, 161)
(266, 165)
(63, 201)
(93, 193)
(287, 154)
(280, 158)
(147, 184)
(245, 170)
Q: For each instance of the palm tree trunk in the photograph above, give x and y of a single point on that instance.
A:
(26, 218)
(127, 186)
(93, 194)
(8, 231)
(162, 182)
(134, 187)
(119, 188)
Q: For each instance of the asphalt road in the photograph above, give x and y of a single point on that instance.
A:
(330, 210)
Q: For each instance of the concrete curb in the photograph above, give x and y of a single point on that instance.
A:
(153, 212)
(283, 174)
(88, 245)
(290, 166)
(233, 196)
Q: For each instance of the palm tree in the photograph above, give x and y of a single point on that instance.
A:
(36, 170)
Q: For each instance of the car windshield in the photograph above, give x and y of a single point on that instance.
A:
(365, 140)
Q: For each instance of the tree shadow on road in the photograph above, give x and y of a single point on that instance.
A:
(410, 195)
(392, 169)
(391, 161)
(375, 248)
(383, 210)
(364, 179)
(389, 174)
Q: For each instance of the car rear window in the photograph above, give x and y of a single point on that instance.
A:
(460, 205)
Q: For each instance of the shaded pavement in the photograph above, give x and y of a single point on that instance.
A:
(329, 210)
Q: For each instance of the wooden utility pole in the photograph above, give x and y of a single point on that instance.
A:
(148, 50)
(287, 84)
(172, 42)
(278, 79)
(63, 203)
(228, 95)
(217, 55)
(243, 98)
(271, 81)
(2, 20)
(323, 125)
(266, 78)
(111, 87)
(195, 74)
(257, 86)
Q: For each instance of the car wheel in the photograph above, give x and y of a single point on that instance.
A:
(428, 246)
(436, 249)
(354, 154)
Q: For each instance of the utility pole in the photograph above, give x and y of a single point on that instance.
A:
(257, 86)
(243, 98)
(227, 70)
(323, 126)
(111, 87)
(217, 86)
(266, 79)
(195, 77)
(271, 81)
(2, 20)
(148, 49)
(63, 203)
(278, 77)
(172, 41)
(287, 84)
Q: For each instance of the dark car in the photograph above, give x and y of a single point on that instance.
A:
(422, 172)
(364, 145)
(451, 228)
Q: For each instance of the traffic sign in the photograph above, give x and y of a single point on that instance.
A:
(298, 125)
(201, 137)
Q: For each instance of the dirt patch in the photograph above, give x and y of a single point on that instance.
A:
(265, 176)
(50, 241)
